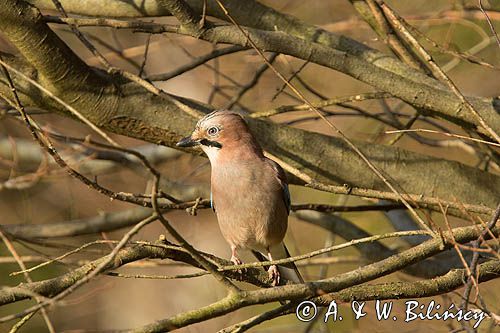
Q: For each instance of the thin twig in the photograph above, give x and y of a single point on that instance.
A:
(28, 279)
(294, 74)
(457, 249)
(421, 200)
(444, 133)
(59, 258)
(395, 43)
(198, 257)
(327, 249)
(157, 277)
(146, 51)
(492, 27)
(72, 110)
(341, 208)
(201, 60)
(21, 322)
(462, 55)
(400, 24)
(97, 270)
(255, 79)
(475, 257)
(320, 104)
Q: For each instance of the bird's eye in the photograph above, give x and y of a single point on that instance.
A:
(213, 131)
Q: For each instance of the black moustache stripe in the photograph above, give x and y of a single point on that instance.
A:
(210, 143)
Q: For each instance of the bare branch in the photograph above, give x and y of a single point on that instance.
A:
(312, 289)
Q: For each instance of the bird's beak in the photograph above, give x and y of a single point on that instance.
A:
(187, 142)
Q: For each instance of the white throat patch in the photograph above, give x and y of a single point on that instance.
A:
(212, 152)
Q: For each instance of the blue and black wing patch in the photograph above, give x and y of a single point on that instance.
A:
(212, 202)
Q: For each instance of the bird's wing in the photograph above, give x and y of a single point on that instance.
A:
(212, 201)
(281, 177)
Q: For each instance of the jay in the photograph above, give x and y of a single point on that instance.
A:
(249, 192)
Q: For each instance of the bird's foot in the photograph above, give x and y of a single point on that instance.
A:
(274, 275)
(237, 261)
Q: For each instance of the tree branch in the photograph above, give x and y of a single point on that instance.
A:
(313, 289)
(267, 18)
(375, 251)
(117, 112)
(384, 291)
(188, 18)
(424, 288)
(426, 99)
(158, 250)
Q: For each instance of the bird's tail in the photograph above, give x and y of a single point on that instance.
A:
(289, 271)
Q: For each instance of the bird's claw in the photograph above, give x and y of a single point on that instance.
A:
(274, 275)
(235, 260)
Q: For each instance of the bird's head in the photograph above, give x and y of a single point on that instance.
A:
(222, 131)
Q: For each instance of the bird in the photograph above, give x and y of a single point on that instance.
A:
(249, 192)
